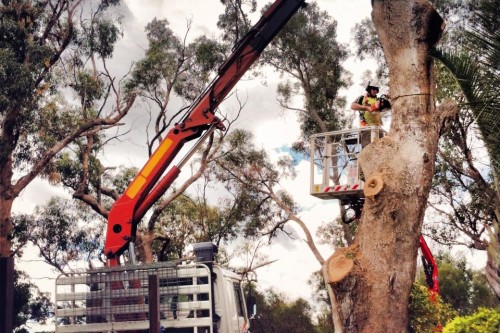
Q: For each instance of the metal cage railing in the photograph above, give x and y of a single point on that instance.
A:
(116, 299)
(335, 172)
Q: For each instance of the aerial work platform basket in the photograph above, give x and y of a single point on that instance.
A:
(335, 172)
(116, 299)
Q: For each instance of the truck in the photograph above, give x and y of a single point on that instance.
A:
(185, 296)
(194, 295)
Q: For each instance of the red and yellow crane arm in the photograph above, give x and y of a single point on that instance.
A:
(148, 186)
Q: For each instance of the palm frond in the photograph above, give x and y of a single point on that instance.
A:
(485, 35)
(481, 91)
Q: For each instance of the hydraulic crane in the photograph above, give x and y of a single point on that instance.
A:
(199, 122)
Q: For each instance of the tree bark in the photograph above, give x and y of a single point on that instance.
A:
(7, 196)
(374, 296)
(492, 269)
(5, 226)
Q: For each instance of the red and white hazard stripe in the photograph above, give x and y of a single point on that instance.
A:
(340, 188)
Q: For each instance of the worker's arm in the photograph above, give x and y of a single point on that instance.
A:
(357, 106)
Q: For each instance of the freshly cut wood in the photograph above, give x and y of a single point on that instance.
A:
(373, 185)
(340, 264)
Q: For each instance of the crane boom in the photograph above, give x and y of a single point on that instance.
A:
(147, 187)
(430, 269)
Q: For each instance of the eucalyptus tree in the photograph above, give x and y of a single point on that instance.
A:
(64, 231)
(463, 197)
(277, 314)
(234, 22)
(48, 46)
(55, 89)
(244, 168)
(378, 276)
(308, 56)
(29, 304)
(464, 288)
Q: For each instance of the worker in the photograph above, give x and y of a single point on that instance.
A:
(369, 107)
(366, 105)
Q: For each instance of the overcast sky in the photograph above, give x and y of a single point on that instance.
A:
(272, 128)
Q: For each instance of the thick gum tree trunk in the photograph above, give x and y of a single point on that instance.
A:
(7, 196)
(5, 226)
(6, 262)
(373, 295)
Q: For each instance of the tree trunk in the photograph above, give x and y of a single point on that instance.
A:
(493, 260)
(7, 196)
(5, 226)
(373, 294)
(7, 264)
(145, 245)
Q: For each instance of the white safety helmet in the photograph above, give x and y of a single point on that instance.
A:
(372, 86)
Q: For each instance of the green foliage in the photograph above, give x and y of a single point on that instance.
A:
(234, 22)
(88, 88)
(46, 52)
(29, 303)
(475, 67)
(325, 323)
(250, 177)
(205, 56)
(101, 37)
(161, 56)
(448, 87)
(463, 288)
(486, 38)
(186, 221)
(367, 45)
(70, 168)
(482, 321)
(208, 54)
(481, 294)
(121, 180)
(276, 314)
(190, 219)
(62, 232)
(309, 57)
(22, 58)
(169, 64)
(455, 283)
(425, 315)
